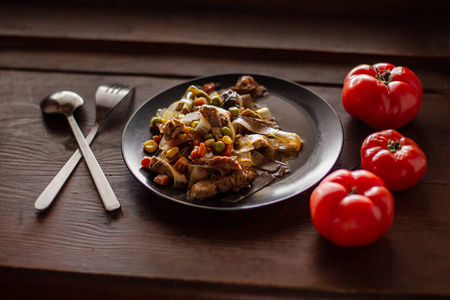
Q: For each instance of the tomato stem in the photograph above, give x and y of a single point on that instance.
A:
(393, 146)
(354, 191)
(384, 77)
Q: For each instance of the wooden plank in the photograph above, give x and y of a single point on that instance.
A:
(274, 247)
(20, 284)
(315, 72)
(143, 27)
(397, 8)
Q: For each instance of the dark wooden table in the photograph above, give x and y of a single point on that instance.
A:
(154, 248)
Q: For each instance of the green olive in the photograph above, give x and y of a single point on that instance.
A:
(219, 147)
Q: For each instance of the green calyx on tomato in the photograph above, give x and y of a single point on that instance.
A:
(393, 146)
(352, 208)
(385, 77)
(396, 159)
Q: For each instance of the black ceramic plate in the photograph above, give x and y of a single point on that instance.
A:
(295, 108)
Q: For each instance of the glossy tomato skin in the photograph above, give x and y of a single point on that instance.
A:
(382, 95)
(352, 208)
(396, 159)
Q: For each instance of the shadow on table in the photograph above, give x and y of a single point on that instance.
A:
(276, 218)
(367, 267)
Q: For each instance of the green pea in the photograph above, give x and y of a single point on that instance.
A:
(216, 101)
(226, 131)
(155, 120)
(209, 136)
(219, 147)
(234, 111)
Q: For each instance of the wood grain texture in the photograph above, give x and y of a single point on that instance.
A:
(154, 239)
(188, 66)
(154, 248)
(311, 49)
(226, 32)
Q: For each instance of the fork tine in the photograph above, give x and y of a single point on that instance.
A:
(111, 89)
(115, 88)
(109, 96)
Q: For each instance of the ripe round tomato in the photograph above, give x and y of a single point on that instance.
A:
(396, 159)
(382, 96)
(352, 208)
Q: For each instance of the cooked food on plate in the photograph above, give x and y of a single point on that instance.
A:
(216, 140)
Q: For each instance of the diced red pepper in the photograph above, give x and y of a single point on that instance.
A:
(227, 151)
(181, 164)
(157, 138)
(202, 150)
(200, 101)
(194, 153)
(145, 162)
(209, 87)
(161, 179)
(198, 151)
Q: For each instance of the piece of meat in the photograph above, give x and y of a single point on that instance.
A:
(244, 178)
(247, 85)
(235, 181)
(203, 189)
(225, 162)
(216, 132)
(250, 113)
(211, 114)
(223, 120)
(230, 98)
(268, 123)
(172, 128)
(157, 165)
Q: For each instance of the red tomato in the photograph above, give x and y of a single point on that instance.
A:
(394, 158)
(382, 96)
(352, 208)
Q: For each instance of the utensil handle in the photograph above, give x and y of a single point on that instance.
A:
(104, 188)
(53, 188)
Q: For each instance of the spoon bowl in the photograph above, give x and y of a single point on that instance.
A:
(62, 102)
